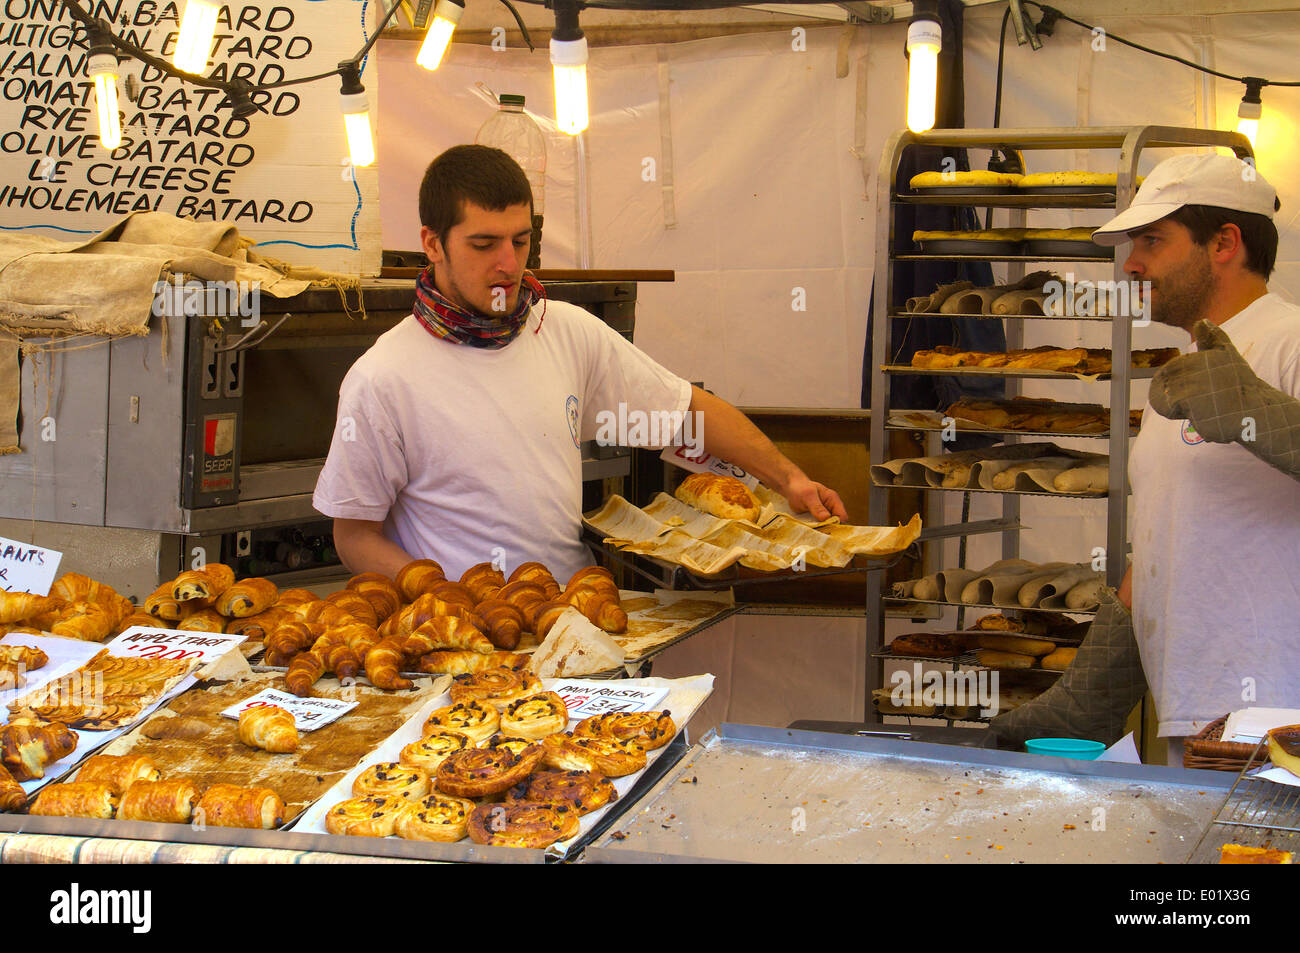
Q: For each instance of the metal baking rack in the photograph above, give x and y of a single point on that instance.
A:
(937, 427)
(1135, 373)
(1255, 813)
(980, 489)
(986, 605)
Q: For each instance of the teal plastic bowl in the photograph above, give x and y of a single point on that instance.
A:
(1066, 748)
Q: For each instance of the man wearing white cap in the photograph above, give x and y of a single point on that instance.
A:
(1216, 508)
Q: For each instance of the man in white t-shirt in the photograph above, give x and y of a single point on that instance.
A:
(1216, 525)
(459, 430)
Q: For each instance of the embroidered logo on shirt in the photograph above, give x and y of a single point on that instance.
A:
(571, 412)
(1190, 436)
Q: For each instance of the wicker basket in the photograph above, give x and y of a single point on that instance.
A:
(1208, 751)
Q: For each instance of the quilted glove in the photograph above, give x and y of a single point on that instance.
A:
(1217, 391)
(1093, 697)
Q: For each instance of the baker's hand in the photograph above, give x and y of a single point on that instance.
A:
(1209, 387)
(1217, 391)
(806, 496)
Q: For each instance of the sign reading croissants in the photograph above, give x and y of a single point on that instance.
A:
(282, 175)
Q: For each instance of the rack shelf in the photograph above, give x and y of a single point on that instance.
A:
(1130, 142)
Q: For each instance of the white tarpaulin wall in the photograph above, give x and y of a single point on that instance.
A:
(768, 195)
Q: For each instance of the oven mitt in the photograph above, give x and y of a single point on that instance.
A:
(1093, 697)
(1217, 391)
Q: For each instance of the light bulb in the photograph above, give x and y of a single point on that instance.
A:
(361, 144)
(1250, 110)
(924, 39)
(1248, 128)
(103, 70)
(569, 59)
(445, 17)
(195, 40)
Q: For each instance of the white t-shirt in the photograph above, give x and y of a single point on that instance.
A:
(471, 455)
(1216, 551)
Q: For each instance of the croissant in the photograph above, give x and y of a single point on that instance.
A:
(459, 663)
(165, 802)
(228, 805)
(456, 592)
(594, 576)
(384, 665)
(87, 621)
(26, 750)
(342, 659)
(296, 597)
(547, 615)
(74, 587)
(536, 573)
(206, 583)
(418, 577)
(12, 795)
(17, 606)
(384, 597)
(355, 605)
(447, 632)
(528, 598)
(360, 638)
(505, 623)
(304, 671)
(118, 772)
(43, 620)
(599, 608)
(258, 627)
(247, 597)
(77, 799)
(270, 728)
(483, 580)
(288, 638)
(323, 612)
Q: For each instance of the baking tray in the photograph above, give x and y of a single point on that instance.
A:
(1134, 374)
(1081, 190)
(767, 795)
(968, 246)
(1016, 198)
(1056, 247)
(361, 847)
(903, 315)
(895, 422)
(666, 575)
(964, 190)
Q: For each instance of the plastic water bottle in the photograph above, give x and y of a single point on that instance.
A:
(513, 132)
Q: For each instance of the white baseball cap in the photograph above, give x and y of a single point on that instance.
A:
(1218, 180)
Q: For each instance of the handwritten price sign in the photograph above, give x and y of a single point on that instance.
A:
(27, 568)
(171, 645)
(587, 698)
(308, 713)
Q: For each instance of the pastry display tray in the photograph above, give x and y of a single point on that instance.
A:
(982, 605)
(933, 421)
(361, 847)
(771, 795)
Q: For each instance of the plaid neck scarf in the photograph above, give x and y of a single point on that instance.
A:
(445, 320)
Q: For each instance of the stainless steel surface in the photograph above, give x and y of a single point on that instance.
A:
(261, 481)
(1255, 813)
(129, 560)
(766, 795)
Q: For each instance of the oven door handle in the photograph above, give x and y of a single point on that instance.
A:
(248, 340)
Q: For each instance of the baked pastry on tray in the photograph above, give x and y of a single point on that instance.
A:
(522, 824)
